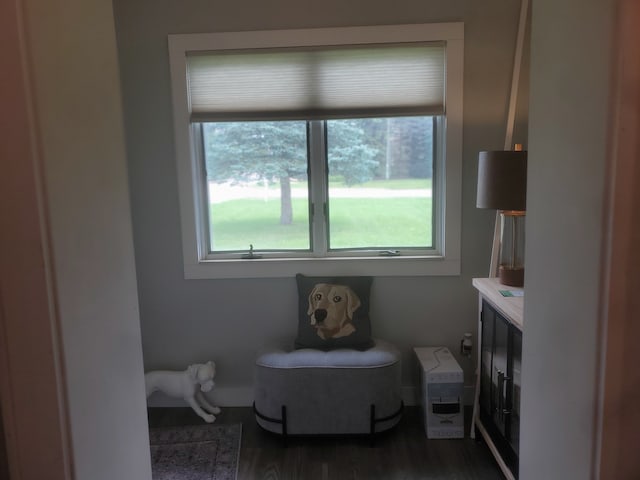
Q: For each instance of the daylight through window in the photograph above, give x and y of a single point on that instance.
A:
(301, 149)
(378, 185)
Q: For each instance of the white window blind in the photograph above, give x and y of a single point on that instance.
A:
(381, 80)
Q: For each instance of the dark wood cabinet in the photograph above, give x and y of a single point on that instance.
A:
(499, 401)
(497, 406)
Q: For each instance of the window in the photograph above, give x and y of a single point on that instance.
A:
(376, 192)
(325, 150)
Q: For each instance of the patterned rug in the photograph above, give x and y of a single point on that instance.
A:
(195, 452)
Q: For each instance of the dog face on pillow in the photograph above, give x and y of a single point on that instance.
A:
(331, 310)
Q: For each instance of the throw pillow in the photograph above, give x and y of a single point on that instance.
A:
(333, 312)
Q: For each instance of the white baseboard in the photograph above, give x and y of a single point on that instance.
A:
(243, 397)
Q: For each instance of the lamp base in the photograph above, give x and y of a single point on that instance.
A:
(511, 276)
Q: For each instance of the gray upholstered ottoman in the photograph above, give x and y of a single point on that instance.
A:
(344, 391)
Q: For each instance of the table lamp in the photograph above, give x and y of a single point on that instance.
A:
(502, 185)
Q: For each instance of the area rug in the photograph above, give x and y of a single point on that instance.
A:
(195, 452)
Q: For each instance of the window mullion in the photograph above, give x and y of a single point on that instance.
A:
(438, 186)
(318, 186)
(201, 190)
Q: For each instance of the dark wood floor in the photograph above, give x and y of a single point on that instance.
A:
(403, 453)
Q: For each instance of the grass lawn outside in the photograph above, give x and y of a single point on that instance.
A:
(389, 222)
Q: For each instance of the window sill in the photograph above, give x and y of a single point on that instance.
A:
(274, 268)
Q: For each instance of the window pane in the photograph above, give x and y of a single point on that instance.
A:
(380, 182)
(257, 185)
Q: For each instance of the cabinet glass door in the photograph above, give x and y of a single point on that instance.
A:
(499, 399)
(500, 372)
(513, 429)
(486, 362)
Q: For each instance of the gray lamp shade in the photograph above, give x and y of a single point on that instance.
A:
(502, 180)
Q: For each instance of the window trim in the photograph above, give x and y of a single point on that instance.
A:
(191, 172)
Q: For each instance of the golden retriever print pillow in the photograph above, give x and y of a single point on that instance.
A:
(333, 312)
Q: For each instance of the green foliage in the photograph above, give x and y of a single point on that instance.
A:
(419, 139)
(246, 151)
(409, 147)
(358, 150)
(351, 153)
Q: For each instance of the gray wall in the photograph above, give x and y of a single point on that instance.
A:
(571, 57)
(229, 320)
